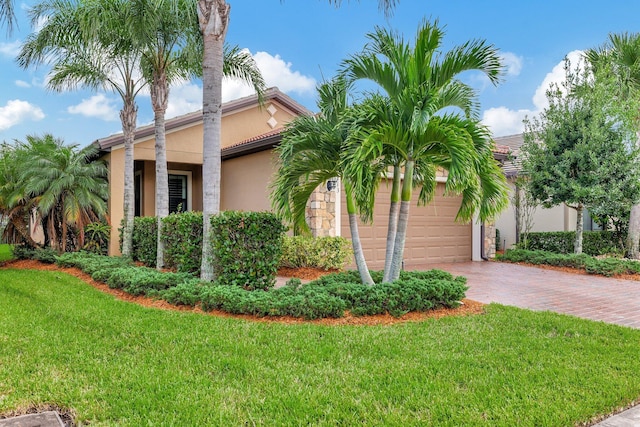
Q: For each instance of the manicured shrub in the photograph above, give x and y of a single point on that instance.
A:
(185, 293)
(328, 253)
(91, 263)
(247, 247)
(182, 235)
(145, 240)
(142, 280)
(46, 255)
(592, 265)
(593, 242)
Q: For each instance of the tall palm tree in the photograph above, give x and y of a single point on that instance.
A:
(213, 17)
(417, 130)
(69, 190)
(621, 53)
(82, 56)
(310, 154)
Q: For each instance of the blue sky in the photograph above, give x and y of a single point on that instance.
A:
(298, 43)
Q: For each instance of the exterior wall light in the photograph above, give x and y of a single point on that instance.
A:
(332, 184)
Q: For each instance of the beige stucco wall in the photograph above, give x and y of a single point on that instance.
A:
(245, 182)
(558, 218)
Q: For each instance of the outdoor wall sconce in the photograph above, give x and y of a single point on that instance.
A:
(332, 184)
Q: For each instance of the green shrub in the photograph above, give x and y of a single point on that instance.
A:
(145, 240)
(498, 243)
(46, 255)
(141, 280)
(182, 235)
(593, 242)
(90, 262)
(592, 265)
(247, 247)
(96, 238)
(185, 293)
(328, 253)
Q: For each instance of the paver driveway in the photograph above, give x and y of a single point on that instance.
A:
(588, 296)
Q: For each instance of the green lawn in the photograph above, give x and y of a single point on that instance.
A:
(5, 252)
(114, 363)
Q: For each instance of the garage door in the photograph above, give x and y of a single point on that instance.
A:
(432, 234)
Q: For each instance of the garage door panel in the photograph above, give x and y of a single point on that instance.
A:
(433, 236)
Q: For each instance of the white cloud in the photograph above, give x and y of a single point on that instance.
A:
(512, 62)
(183, 99)
(10, 49)
(504, 121)
(17, 111)
(276, 72)
(22, 83)
(98, 106)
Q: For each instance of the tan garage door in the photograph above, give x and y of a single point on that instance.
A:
(432, 235)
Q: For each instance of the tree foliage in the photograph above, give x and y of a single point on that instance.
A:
(580, 151)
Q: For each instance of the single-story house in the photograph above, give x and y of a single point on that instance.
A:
(250, 131)
(558, 218)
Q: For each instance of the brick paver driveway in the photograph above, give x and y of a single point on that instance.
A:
(588, 296)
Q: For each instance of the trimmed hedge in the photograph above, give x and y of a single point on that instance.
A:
(604, 267)
(329, 296)
(327, 253)
(246, 248)
(145, 240)
(182, 234)
(593, 242)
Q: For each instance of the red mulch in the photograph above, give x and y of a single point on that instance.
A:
(635, 277)
(469, 307)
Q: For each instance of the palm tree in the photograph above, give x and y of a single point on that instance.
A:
(82, 56)
(213, 17)
(7, 15)
(417, 130)
(310, 154)
(622, 55)
(68, 189)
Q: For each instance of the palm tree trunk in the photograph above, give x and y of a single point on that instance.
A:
(577, 246)
(213, 17)
(403, 221)
(128, 117)
(159, 100)
(358, 254)
(393, 223)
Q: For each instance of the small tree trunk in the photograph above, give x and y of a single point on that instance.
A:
(633, 236)
(393, 223)
(358, 253)
(577, 247)
(213, 16)
(159, 101)
(128, 117)
(403, 221)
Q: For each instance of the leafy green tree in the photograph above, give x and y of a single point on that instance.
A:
(311, 153)
(620, 55)
(62, 183)
(580, 150)
(213, 17)
(427, 121)
(83, 56)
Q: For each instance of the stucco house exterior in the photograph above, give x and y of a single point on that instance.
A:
(558, 218)
(250, 131)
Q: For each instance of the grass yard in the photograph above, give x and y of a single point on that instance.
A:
(114, 363)
(5, 252)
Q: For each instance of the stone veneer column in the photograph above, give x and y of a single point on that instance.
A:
(490, 240)
(321, 212)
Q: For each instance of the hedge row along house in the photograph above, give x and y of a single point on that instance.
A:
(250, 132)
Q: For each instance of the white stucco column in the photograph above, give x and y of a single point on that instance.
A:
(338, 209)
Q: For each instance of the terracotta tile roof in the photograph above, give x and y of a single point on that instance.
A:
(256, 138)
(511, 167)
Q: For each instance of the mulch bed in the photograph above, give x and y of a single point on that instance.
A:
(469, 307)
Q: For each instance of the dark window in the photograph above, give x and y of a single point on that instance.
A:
(137, 188)
(177, 193)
